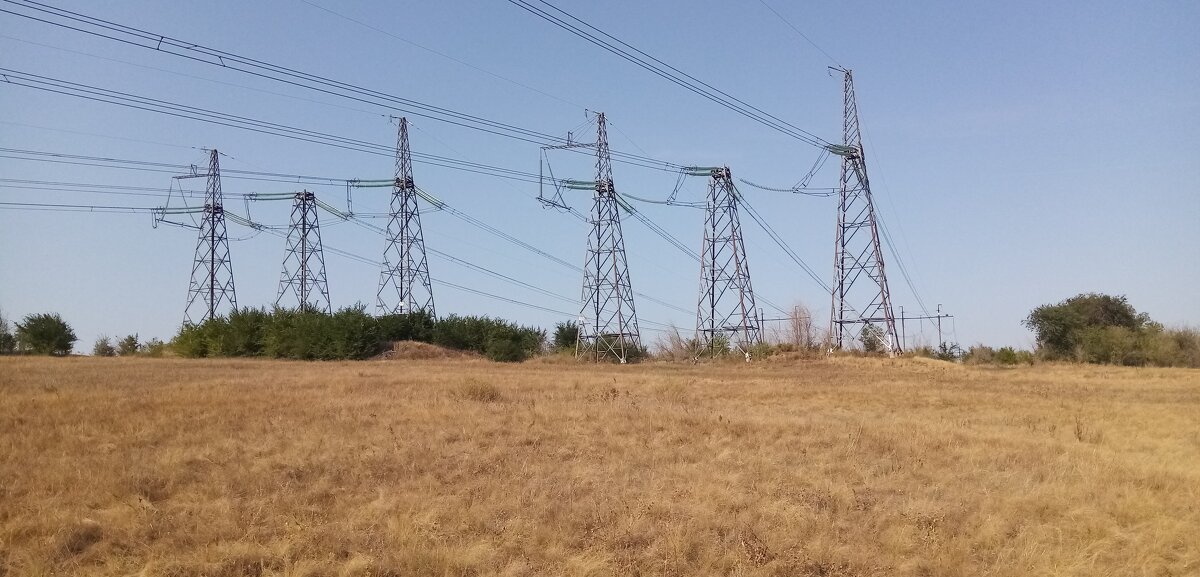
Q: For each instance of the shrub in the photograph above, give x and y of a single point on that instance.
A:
(566, 336)
(8, 342)
(871, 338)
(103, 347)
(128, 345)
(154, 348)
(245, 332)
(190, 342)
(349, 333)
(45, 334)
(417, 326)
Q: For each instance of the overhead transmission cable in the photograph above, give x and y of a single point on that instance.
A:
(666, 71)
(160, 43)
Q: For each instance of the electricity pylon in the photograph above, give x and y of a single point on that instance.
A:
(303, 276)
(212, 274)
(608, 326)
(726, 314)
(862, 305)
(404, 284)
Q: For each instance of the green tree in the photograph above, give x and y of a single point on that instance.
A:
(8, 342)
(871, 338)
(154, 347)
(128, 346)
(45, 334)
(565, 336)
(1086, 320)
(103, 347)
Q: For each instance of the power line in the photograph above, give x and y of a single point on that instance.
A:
(778, 240)
(797, 31)
(666, 71)
(227, 60)
(441, 54)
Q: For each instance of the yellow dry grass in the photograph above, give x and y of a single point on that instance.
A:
(827, 467)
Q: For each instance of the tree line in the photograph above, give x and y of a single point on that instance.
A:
(1087, 328)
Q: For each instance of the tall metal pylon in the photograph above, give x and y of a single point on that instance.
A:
(608, 327)
(212, 274)
(726, 315)
(404, 284)
(862, 304)
(303, 277)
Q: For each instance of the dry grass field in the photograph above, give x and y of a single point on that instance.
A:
(827, 467)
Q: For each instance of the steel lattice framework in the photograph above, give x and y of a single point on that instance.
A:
(726, 315)
(404, 284)
(303, 276)
(211, 286)
(862, 305)
(608, 327)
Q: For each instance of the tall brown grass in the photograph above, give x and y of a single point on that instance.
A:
(840, 466)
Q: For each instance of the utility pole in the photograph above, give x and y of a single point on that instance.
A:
(903, 334)
(726, 314)
(404, 284)
(303, 273)
(608, 326)
(860, 291)
(939, 321)
(212, 274)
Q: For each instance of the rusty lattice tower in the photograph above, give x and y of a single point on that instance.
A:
(404, 284)
(303, 277)
(608, 327)
(726, 315)
(211, 287)
(862, 305)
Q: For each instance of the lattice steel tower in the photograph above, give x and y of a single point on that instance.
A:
(303, 277)
(860, 290)
(404, 285)
(212, 274)
(608, 327)
(726, 315)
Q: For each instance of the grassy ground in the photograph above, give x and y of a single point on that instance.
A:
(463, 467)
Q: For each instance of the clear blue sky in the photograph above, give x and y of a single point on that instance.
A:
(1021, 152)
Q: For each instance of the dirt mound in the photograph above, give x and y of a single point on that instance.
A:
(414, 350)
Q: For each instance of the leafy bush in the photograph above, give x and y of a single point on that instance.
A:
(871, 338)
(128, 346)
(103, 347)
(349, 333)
(154, 348)
(45, 334)
(417, 326)
(246, 331)
(1097, 328)
(497, 339)
(8, 342)
(566, 336)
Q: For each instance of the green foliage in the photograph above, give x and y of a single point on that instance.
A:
(191, 341)
(245, 332)
(8, 342)
(1064, 327)
(417, 326)
(1097, 328)
(350, 333)
(871, 338)
(499, 340)
(948, 352)
(45, 334)
(566, 335)
(154, 348)
(103, 347)
(128, 346)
